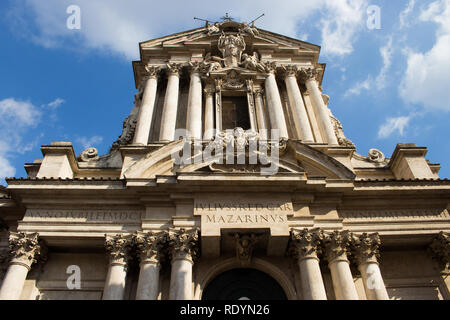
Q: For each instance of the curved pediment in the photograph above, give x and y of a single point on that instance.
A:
(189, 157)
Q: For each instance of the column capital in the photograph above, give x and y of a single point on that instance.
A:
(119, 248)
(440, 249)
(259, 92)
(152, 71)
(366, 247)
(337, 245)
(309, 74)
(306, 243)
(270, 66)
(174, 68)
(209, 90)
(150, 245)
(184, 244)
(24, 248)
(290, 70)
(195, 67)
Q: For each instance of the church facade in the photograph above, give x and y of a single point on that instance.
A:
(231, 179)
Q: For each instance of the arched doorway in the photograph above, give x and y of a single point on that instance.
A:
(243, 284)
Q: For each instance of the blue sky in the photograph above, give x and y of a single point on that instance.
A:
(386, 85)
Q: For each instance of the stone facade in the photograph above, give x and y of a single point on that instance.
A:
(167, 211)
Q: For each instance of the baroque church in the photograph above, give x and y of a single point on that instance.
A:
(231, 179)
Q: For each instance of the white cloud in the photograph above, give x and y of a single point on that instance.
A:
(86, 142)
(405, 14)
(16, 117)
(358, 87)
(392, 125)
(118, 26)
(426, 80)
(55, 103)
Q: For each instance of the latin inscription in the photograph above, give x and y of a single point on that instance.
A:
(246, 218)
(87, 215)
(217, 206)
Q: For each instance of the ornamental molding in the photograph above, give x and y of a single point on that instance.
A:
(89, 154)
(128, 130)
(245, 244)
(119, 247)
(150, 246)
(337, 245)
(440, 249)
(376, 156)
(306, 243)
(339, 132)
(184, 244)
(25, 249)
(365, 247)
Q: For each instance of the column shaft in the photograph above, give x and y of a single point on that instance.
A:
(209, 114)
(13, 282)
(181, 279)
(169, 114)
(322, 111)
(194, 108)
(344, 287)
(373, 281)
(146, 110)
(277, 119)
(311, 277)
(298, 107)
(263, 126)
(115, 282)
(148, 285)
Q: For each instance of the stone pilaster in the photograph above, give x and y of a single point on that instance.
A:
(149, 248)
(24, 250)
(309, 76)
(183, 249)
(146, 109)
(366, 252)
(305, 247)
(337, 245)
(209, 92)
(119, 248)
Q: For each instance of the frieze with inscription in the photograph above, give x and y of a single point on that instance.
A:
(84, 215)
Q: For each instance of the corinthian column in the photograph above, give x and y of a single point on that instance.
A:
(337, 246)
(261, 118)
(276, 114)
(145, 117)
(184, 248)
(297, 105)
(305, 247)
(366, 252)
(24, 248)
(309, 75)
(169, 114)
(118, 247)
(149, 247)
(194, 107)
(209, 112)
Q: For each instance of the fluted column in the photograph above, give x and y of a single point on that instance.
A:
(337, 246)
(194, 107)
(118, 247)
(149, 246)
(366, 252)
(276, 113)
(296, 102)
(309, 76)
(209, 112)
(170, 108)
(145, 117)
(305, 246)
(184, 248)
(24, 249)
(263, 125)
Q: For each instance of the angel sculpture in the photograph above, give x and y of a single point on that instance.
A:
(252, 62)
(249, 29)
(212, 28)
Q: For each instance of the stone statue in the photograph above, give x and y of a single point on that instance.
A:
(231, 47)
(212, 63)
(212, 28)
(252, 62)
(245, 28)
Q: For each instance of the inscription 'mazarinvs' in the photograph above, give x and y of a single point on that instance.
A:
(246, 218)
